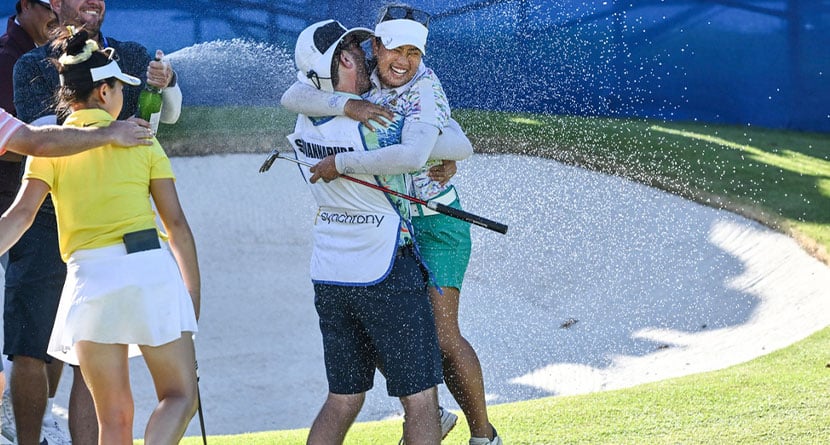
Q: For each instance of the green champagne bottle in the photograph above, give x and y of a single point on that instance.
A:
(149, 105)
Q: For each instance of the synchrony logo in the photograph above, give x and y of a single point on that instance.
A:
(318, 151)
(348, 218)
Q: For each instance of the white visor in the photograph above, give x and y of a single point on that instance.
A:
(112, 70)
(400, 32)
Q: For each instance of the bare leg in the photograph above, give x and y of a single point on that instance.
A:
(335, 418)
(173, 368)
(107, 373)
(462, 369)
(29, 390)
(54, 371)
(83, 424)
(421, 423)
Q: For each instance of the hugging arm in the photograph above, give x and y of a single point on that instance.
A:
(305, 99)
(52, 140)
(419, 142)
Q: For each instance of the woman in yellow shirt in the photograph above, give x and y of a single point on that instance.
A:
(127, 284)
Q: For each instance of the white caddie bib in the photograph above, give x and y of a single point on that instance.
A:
(356, 227)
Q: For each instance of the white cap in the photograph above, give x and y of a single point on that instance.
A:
(315, 49)
(99, 73)
(113, 70)
(400, 32)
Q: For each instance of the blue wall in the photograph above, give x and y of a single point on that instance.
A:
(758, 62)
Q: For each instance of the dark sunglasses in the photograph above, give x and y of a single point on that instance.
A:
(405, 12)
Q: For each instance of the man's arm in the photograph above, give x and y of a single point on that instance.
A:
(171, 104)
(34, 86)
(52, 140)
(304, 99)
(160, 74)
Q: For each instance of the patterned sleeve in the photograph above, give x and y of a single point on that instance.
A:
(35, 83)
(427, 101)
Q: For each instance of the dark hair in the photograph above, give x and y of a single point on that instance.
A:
(334, 69)
(79, 55)
(335, 62)
(18, 8)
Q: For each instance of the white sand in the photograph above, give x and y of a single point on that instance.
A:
(660, 287)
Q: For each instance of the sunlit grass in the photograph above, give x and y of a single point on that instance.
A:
(786, 159)
(780, 398)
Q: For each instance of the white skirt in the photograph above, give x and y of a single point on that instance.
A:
(114, 298)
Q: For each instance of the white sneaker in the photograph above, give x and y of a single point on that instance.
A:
(7, 428)
(448, 420)
(53, 434)
(485, 441)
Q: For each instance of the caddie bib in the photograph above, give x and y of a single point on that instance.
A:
(356, 228)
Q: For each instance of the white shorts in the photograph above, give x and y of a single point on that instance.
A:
(115, 298)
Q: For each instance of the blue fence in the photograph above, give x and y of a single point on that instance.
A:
(761, 62)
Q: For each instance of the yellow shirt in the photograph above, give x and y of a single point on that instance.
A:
(102, 193)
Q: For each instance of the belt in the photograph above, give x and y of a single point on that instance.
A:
(448, 197)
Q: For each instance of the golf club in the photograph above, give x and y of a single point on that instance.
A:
(201, 414)
(438, 207)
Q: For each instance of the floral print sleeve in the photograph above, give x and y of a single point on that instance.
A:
(421, 100)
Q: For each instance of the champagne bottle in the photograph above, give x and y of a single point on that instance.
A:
(149, 104)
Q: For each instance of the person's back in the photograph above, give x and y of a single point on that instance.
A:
(40, 273)
(103, 191)
(125, 285)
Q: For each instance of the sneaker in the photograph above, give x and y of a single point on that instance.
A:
(485, 441)
(53, 434)
(7, 428)
(448, 420)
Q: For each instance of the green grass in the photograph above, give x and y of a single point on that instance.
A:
(779, 398)
(777, 177)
